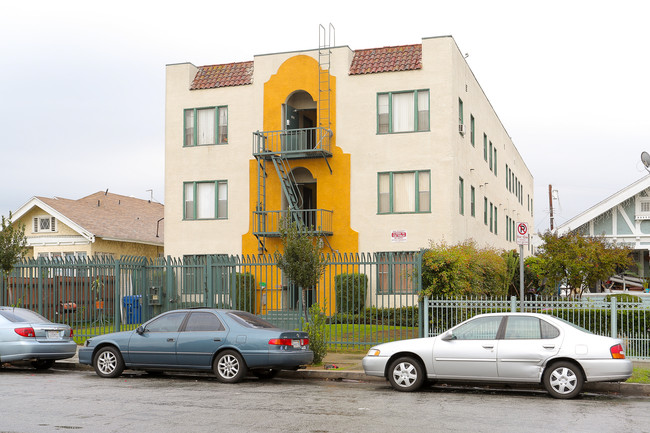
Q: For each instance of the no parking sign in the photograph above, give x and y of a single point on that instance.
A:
(522, 234)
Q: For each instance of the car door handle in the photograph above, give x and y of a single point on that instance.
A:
(170, 340)
(548, 346)
(488, 347)
(217, 339)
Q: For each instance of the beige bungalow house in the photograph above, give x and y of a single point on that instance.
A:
(101, 224)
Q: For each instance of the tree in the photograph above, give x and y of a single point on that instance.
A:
(301, 259)
(581, 261)
(12, 247)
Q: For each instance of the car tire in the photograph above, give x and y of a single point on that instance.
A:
(406, 374)
(266, 374)
(563, 380)
(43, 364)
(108, 362)
(229, 367)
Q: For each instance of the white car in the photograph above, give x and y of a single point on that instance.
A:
(504, 347)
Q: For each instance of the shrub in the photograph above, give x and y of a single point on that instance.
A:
(623, 297)
(463, 270)
(245, 292)
(404, 316)
(350, 292)
(316, 329)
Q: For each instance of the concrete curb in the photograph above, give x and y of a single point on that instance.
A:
(625, 389)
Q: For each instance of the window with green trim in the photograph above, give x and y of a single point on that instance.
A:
(205, 200)
(491, 218)
(471, 130)
(205, 126)
(494, 166)
(393, 272)
(461, 196)
(490, 154)
(404, 192)
(485, 147)
(485, 210)
(402, 111)
(472, 199)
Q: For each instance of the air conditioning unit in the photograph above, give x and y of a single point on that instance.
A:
(461, 129)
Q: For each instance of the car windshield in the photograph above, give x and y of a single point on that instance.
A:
(249, 320)
(22, 315)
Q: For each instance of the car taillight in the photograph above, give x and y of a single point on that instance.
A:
(280, 341)
(617, 351)
(304, 342)
(71, 332)
(25, 332)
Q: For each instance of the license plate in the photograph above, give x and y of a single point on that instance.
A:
(296, 344)
(53, 335)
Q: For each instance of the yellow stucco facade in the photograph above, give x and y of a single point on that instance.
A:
(300, 73)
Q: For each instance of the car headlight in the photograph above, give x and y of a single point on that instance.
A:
(373, 352)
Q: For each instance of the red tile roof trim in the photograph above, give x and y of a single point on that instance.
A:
(227, 75)
(387, 59)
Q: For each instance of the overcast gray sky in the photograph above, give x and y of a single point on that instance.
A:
(82, 82)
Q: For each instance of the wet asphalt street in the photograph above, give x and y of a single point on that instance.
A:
(79, 401)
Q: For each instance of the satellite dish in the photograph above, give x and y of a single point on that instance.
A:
(645, 159)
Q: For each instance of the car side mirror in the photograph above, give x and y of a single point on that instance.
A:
(140, 330)
(448, 336)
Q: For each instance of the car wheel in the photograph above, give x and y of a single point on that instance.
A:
(229, 367)
(563, 380)
(42, 364)
(406, 374)
(266, 374)
(108, 362)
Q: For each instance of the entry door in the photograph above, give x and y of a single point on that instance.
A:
(290, 139)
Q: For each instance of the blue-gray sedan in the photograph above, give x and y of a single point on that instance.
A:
(231, 343)
(28, 336)
(504, 347)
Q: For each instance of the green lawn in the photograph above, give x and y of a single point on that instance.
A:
(367, 334)
(640, 375)
(81, 334)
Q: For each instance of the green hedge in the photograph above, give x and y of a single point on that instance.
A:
(350, 293)
(404, 316)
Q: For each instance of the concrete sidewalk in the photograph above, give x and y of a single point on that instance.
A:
(342, 366)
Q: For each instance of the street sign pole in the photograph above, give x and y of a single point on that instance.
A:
(522, 239)
(521, 277)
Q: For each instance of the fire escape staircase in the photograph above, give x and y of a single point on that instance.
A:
(279, 146)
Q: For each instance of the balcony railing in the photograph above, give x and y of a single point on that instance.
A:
(318, 222)
(293, 143)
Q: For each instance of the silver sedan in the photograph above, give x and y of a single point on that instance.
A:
(28, 336)
(504, 347)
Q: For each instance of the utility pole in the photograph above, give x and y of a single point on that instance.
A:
(550, 203)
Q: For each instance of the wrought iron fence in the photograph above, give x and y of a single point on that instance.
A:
(367, 298)
(629, 321)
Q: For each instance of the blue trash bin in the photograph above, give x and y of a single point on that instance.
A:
(133, 308)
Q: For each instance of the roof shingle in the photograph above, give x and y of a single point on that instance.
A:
(113, 216)
(227, 75)
(387, 59)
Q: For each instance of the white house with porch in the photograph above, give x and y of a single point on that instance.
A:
(623, 218)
